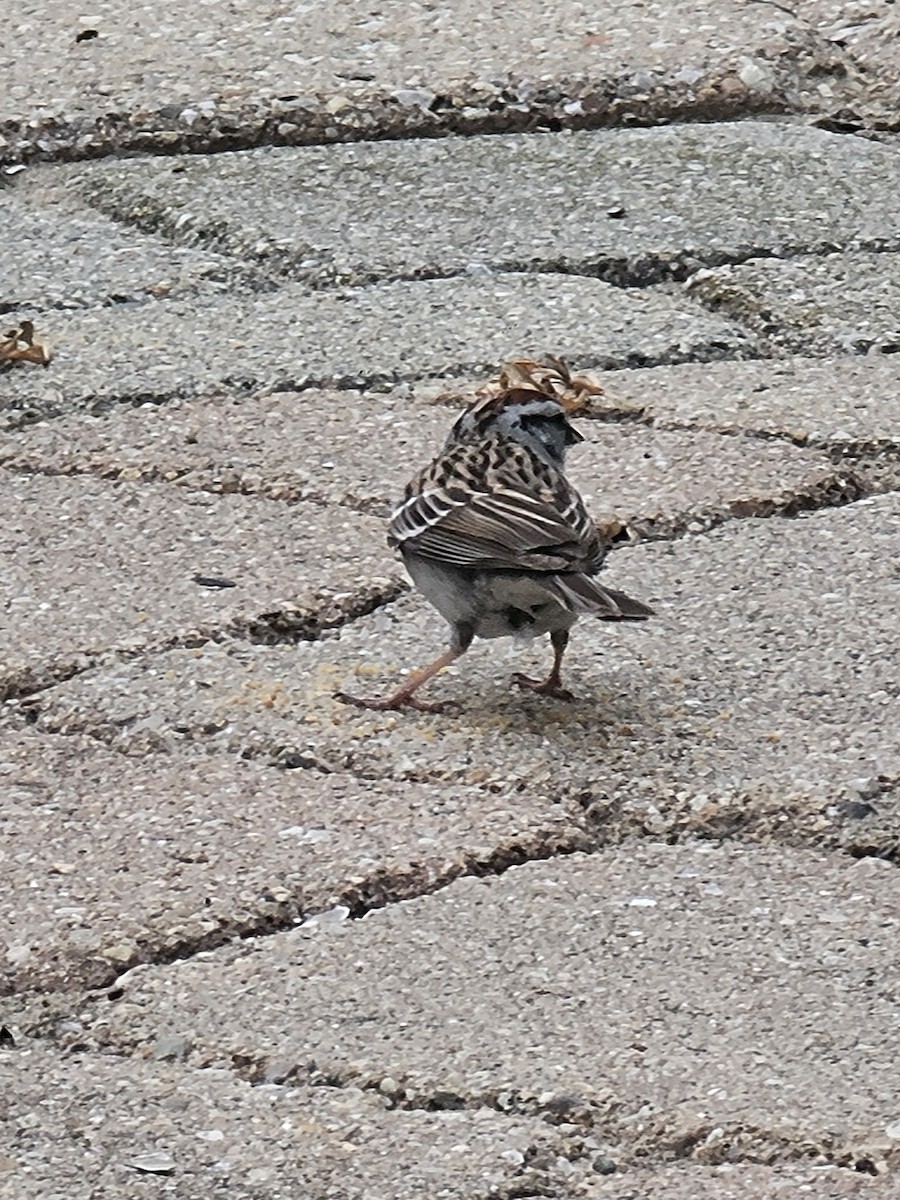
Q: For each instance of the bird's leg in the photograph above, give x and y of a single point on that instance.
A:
(552, 685)
(404, 696)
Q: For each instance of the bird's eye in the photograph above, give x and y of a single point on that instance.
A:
(551, 427)
(538, 423)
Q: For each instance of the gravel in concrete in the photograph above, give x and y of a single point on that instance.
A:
(840, 403)
(82, 1126)
(108, 861)
(867, 37)
(92, 566)
(835, 304)
(159, 77)
(737, 1181)
(397, 330)
(54, 257)
(766, 683)
(632, 206)
(360, 450)
(269, 52)
(726, 1002)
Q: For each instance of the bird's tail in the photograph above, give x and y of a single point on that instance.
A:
(586, 595)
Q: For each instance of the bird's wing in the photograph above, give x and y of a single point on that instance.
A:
(506, 512)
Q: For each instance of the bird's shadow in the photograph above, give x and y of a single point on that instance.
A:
(598, 708)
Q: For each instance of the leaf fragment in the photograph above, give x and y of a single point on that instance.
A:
(18, 345)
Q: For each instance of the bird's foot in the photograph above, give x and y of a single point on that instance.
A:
(544, 687)
(397, 702)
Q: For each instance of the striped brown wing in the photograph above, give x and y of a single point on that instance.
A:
(496, 506)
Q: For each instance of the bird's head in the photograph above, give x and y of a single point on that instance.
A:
(531, 403)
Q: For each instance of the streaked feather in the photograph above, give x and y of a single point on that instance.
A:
(500, 508)
(586, 595)
(496, 499)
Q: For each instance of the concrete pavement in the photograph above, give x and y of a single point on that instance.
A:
(256, 943)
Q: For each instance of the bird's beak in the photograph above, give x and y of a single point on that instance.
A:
(573, 437)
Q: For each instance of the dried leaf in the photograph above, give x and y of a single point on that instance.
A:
(549, 377)
(18, 345)
(522, 378)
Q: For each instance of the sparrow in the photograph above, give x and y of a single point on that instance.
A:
(494, 535)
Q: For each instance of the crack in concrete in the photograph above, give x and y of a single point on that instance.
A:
(746, 305)
(248, 278)
(287, 627)
(465, 109)
(872, 465)
(713, 1143)
(380, 888)
(876, 463)
(653, 269)
(837, 492)
(844, 488)
(618, 271)
(592, 1127)
(279, 627)
(838, 825)
(152, 474)
(644, 415)
(844, 823)
(537, 1174)
(276, 264)
(599, 1124)
(588, 1132)
(18, 418)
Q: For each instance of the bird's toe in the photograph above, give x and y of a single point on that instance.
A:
(543, 687)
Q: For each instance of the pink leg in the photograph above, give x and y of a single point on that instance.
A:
(404, 696)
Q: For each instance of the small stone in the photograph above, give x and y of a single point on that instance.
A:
(730, 86)
(752, 75)
(603, 1165)
(414, 98)
(277, 895)
(855, 810)
(866, 789)
(155, 1163)
(279, 1072)
(121, 952)
(173, 1048)
(688, 75)
(328, 919)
